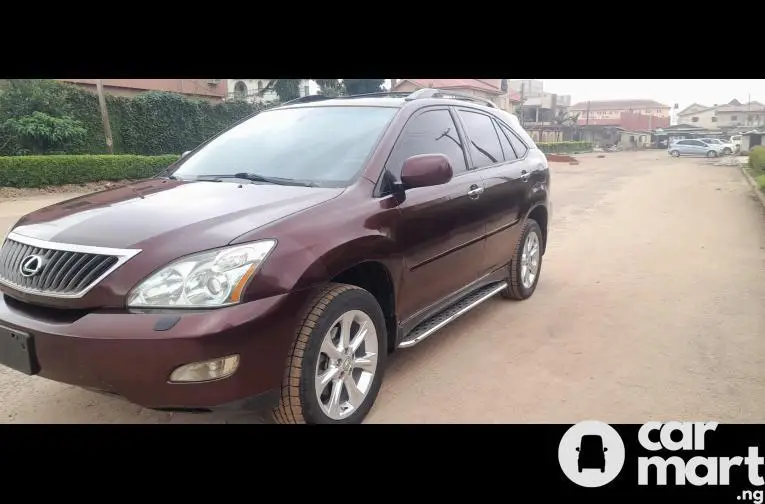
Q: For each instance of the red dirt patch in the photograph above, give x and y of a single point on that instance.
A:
(560, 158)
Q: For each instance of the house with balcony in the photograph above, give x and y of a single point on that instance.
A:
(487, 89)
(213, 90)
(539, 107)
(731, 116)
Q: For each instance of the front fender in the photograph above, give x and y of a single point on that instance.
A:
(295, 266)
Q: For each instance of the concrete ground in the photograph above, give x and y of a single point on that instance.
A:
(651, 305)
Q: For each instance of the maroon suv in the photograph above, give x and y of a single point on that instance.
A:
(277, 265)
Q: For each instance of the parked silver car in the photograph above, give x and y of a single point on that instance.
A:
(694, 147)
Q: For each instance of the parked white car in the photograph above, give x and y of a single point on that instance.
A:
(736, 140)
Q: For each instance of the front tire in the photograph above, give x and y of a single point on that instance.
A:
(711, 154)
(336, 364)
(675, 153)
(727, 151)
(526, 264)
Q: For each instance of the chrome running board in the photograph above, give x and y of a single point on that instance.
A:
(450, 314)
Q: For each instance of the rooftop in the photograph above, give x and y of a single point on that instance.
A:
(618, 105)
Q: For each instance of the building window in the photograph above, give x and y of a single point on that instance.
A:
(694, 119)
(240, 90)
(749, 119)
(305, 91)
(714, 119)
(734, 118)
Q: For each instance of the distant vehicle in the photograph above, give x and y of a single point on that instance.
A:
(591, 453)
(736, 140)
(728, 148)
(694, 148)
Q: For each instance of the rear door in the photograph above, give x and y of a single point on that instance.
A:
(441, 229)
(500, 157)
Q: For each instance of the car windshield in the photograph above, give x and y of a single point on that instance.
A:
(592, 443)
(324, 146)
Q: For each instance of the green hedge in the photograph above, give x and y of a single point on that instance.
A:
(152, 123)
(564, 147)
(41, 171)
(757, 159)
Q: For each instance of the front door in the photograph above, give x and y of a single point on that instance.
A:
(440, 231)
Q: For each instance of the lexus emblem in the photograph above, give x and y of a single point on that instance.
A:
(31, 265)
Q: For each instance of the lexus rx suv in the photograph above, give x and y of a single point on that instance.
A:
(276, 266)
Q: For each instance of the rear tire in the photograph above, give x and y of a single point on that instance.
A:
(339, 318)
(711, 154)
(727, 151)
(674, 153)
(526, 264)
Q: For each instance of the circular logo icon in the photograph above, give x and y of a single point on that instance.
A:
(591, 454)
(31, 265)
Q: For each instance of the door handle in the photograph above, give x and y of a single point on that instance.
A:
(524, 175)
(475, 191)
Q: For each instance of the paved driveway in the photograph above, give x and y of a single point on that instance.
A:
(650, 306)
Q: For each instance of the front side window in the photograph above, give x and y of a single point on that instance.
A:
(432, 132)
(322, 145)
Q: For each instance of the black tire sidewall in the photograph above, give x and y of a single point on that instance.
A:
(354, 299)
(674, 153)
(531, 227)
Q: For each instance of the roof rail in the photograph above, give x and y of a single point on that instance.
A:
(391, 94)
(307, 99)
(439, 93)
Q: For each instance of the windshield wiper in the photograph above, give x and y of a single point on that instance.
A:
(254, 177)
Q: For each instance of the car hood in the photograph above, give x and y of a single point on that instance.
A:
(185, 216)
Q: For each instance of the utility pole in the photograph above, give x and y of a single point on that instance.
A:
(587, 115)
(104, 115)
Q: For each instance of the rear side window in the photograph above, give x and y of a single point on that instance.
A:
(484, 142)
(432, 132)
(518, 146)
(507, 149)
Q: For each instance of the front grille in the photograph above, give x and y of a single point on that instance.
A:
(65, 271)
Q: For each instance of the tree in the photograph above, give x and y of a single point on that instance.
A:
(330, 87)
(566, 119)
(40, 133)
(363, 86)
(285, 89)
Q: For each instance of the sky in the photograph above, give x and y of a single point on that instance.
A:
(684, 92)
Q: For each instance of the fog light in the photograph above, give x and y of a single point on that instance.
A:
(206, 371)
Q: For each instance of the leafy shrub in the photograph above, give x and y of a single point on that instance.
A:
(39, 132)
(760, 182)
(757, 159)
(40, 171)
(564, 147)
(152, 123)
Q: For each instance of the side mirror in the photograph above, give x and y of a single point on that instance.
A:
(577, 448)
(185, 154)
(605, 449)
(426, 170)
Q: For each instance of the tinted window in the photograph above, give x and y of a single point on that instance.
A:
(683, 142)
(519, 147)
(432, 132)
(327, 145)
(697, 143)
(484, 142)
(507, 149)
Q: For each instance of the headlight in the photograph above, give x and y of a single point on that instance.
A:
(208, 279)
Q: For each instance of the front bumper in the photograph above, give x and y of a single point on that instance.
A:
(133, 354)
